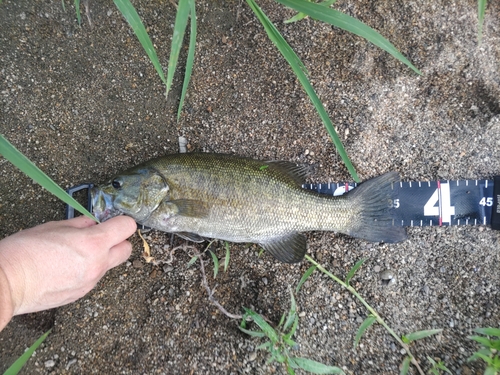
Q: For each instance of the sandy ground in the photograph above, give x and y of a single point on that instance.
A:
(84, 103)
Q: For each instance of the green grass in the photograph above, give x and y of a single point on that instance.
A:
(21, 361)
(322, 12)
(490, 349)
(481, 10)
(13, 155)
(280, 344)
(373, 317)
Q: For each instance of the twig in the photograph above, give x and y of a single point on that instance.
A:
(210, 292)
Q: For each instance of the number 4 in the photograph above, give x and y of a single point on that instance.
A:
(447, 210)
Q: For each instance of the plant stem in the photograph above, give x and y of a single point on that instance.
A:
(370, 309)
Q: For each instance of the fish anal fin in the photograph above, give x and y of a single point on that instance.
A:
(290, 248)
(190, 208)
(193, 237)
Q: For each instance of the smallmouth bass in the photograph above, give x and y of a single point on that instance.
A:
(237, 199)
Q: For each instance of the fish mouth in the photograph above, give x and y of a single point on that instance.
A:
(102, 205)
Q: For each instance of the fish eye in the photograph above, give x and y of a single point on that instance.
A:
(117, 184)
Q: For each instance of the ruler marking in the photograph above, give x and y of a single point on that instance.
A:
(466, 182)
(476, 182)
(421, 223)
(430, 222)
(410, 183)
(457, 182)
(475, 221)
(458, 222)
(411, 223)
(419, 184)
(484, 220)
(400, 184)
(319, 186)
(466, 221)
(486, 184)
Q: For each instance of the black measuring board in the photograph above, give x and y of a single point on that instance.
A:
(457, 202)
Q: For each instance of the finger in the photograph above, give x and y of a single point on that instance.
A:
(80, 222)
(115, 230)
(119, 254)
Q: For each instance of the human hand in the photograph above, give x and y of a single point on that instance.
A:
(56, 263)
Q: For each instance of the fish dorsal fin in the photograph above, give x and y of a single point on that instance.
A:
(297, 173)
(190, 236)
(190, 208)
(290, 248)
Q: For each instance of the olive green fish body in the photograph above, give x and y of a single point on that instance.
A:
(244, 200)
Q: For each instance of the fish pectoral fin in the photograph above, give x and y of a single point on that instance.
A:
(193, 237)
(190, 208)
(290, 248)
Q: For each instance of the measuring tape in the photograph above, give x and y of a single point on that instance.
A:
(457, 202)
(422, 204)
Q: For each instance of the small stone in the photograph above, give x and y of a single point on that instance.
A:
(376, 268)
(252, 356)
(264, 280)
(50, 363)
(387, 275)
(168, 269)
(71, 362)
(137, 264)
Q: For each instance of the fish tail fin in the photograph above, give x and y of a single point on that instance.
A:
(375, 221)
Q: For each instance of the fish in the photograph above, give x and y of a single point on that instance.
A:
(239, 199)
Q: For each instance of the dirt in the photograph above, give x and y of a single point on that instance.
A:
(84, 103)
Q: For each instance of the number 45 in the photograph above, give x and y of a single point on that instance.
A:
(486, 201)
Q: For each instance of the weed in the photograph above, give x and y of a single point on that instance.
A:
(490, 349)
(374, 317)
(186, 9)
(280, 343)
(437, 367)
(21, 361)
(13, 155)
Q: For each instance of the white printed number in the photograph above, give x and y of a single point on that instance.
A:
(394, 203)
(486, 201)
(447, 210)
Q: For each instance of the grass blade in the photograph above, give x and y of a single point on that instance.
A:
(252, 333)
(304, 278)
(130, 14)
(228, 255)
(316, 367)
(301, 15)
(216, 263)
(192, 261)
(348, 23)
(13, 155)
(405, 366)
(481, 9)
(422, 334)
(180, 25)
(292, 314)
(190, 59)
(21, 361)
(264, 326)
(77, 10)
(488, 331)
(353, 270)
(367, 323)
(299, 70)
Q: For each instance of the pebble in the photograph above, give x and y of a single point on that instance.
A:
(168, 269)
(50, 363)
(252, 356)
(71, 362)
(137, 264)
(376, 268)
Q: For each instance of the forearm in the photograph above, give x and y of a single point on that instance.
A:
(6, 303)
